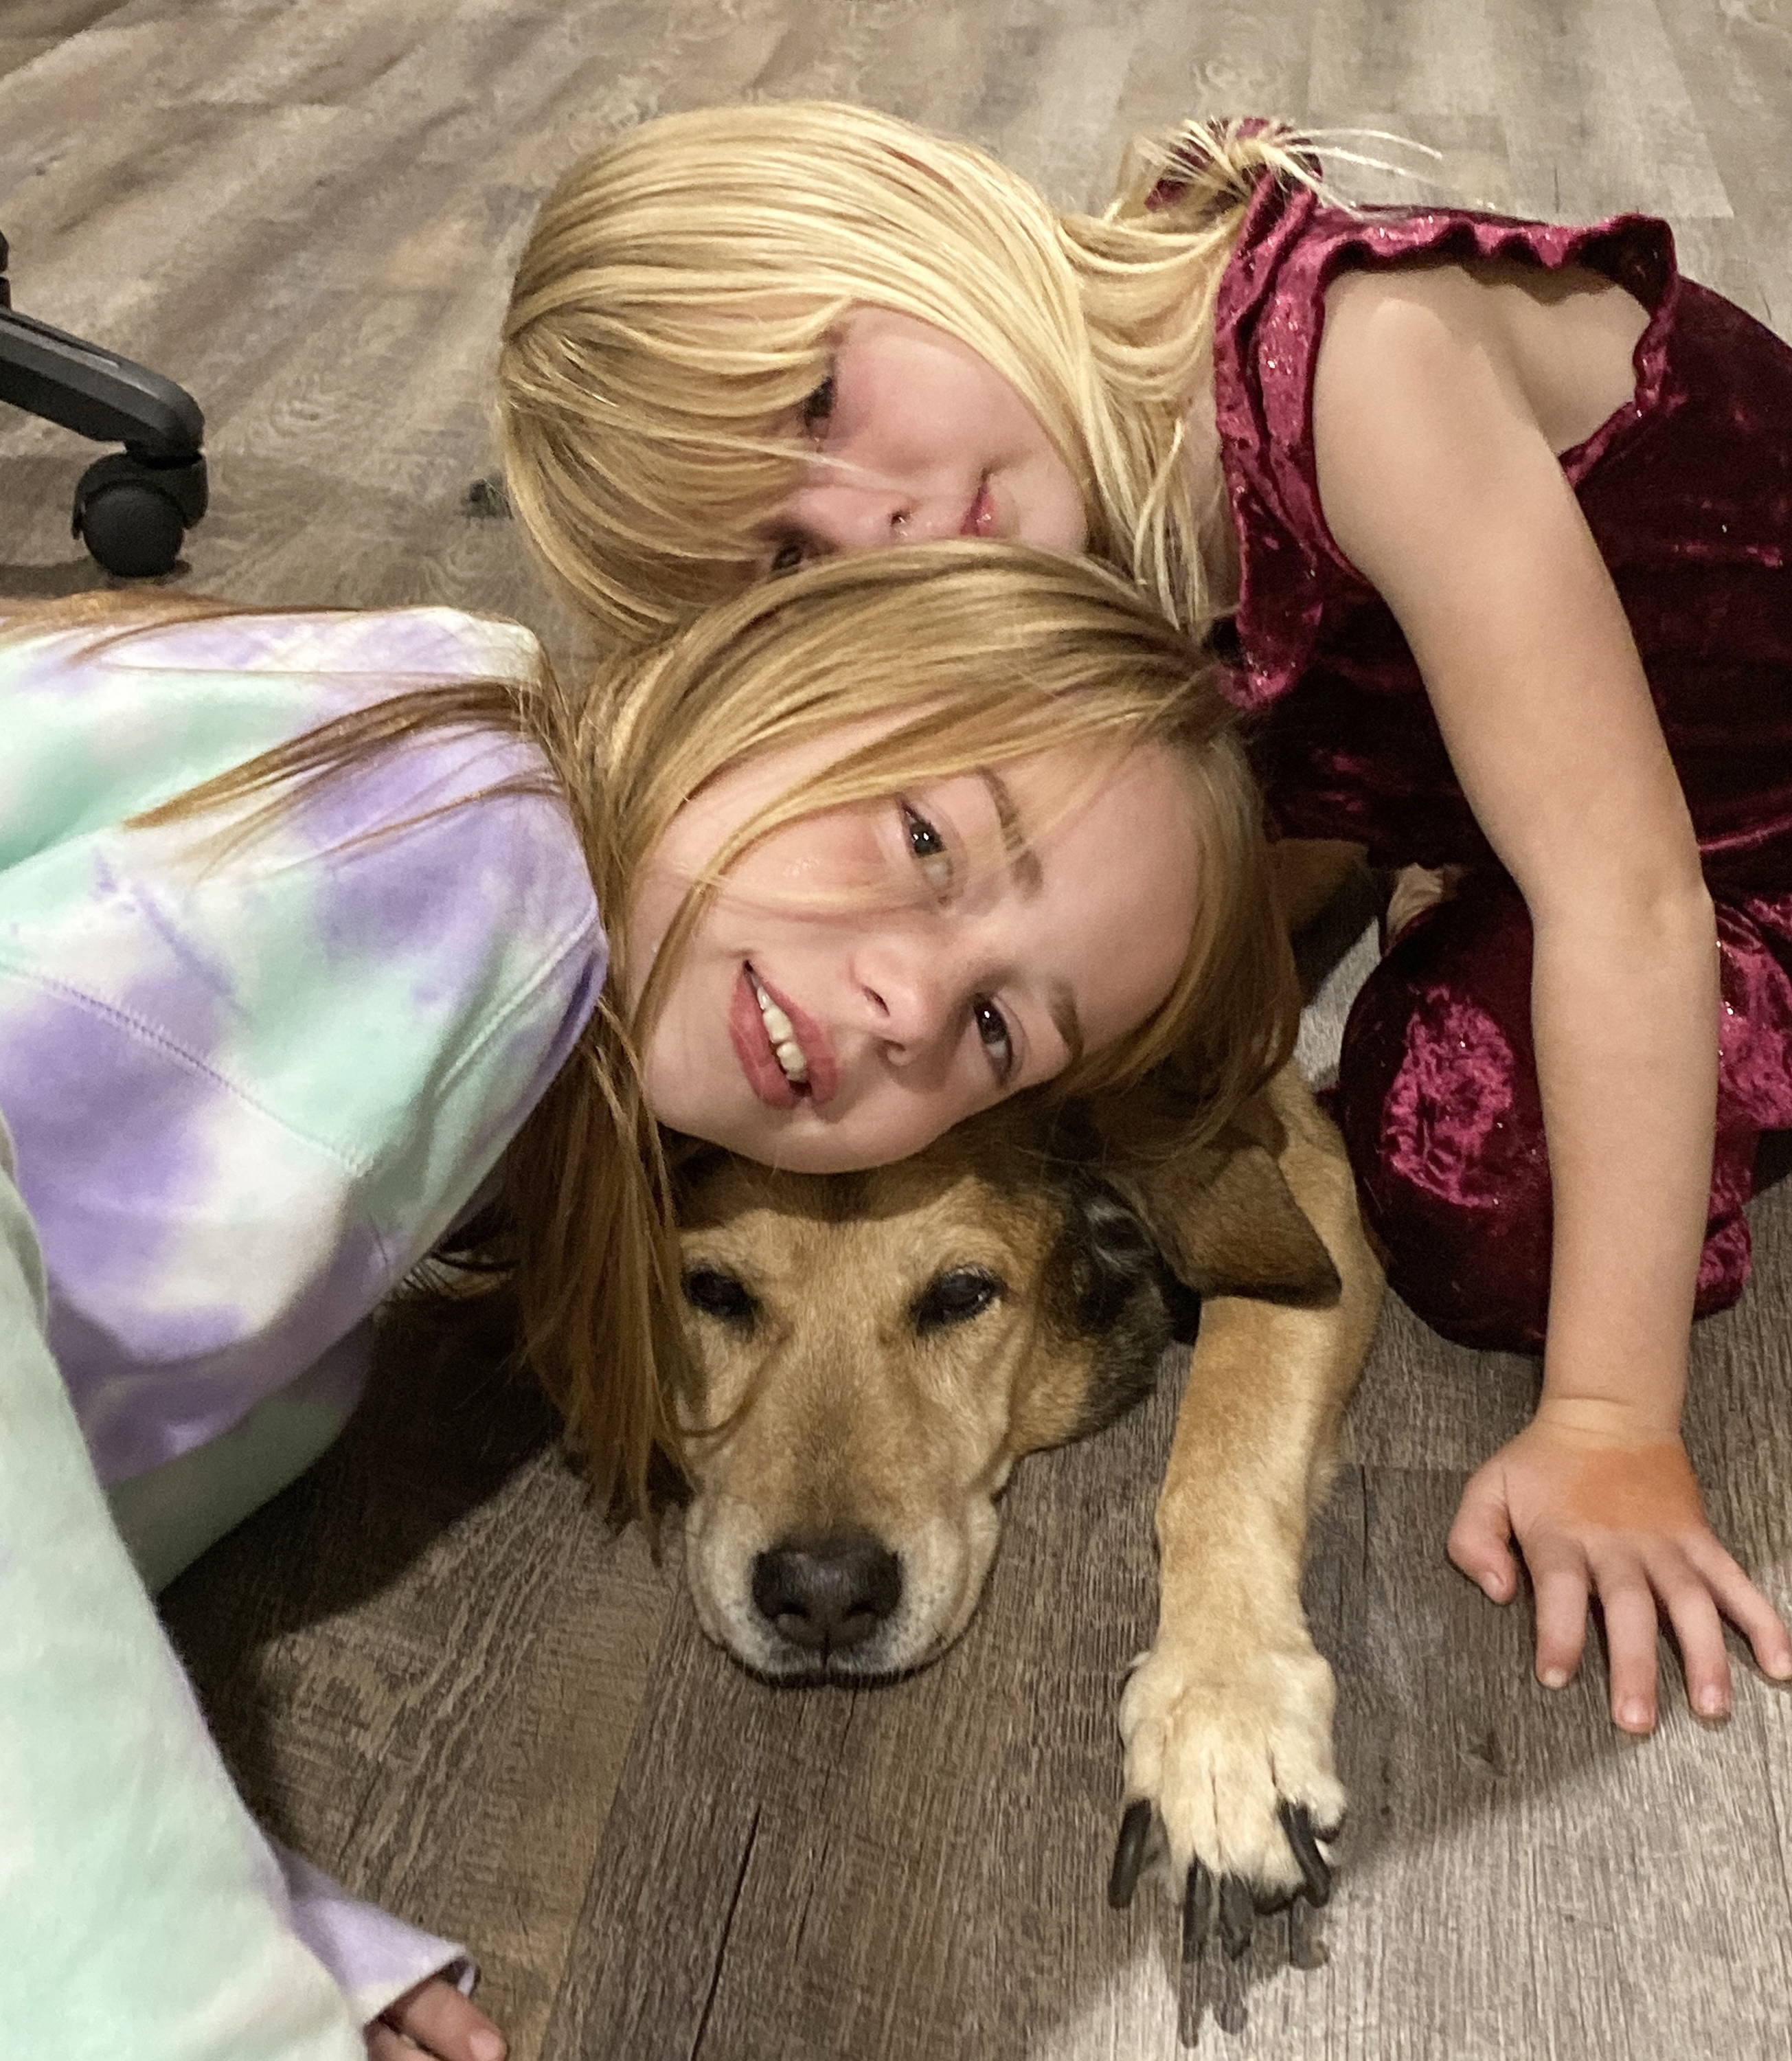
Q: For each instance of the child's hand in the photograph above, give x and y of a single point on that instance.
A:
(434, 2018)
(1599, 1507)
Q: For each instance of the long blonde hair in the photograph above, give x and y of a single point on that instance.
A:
(983, 653)
(676, 299)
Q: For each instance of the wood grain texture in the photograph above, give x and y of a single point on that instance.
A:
(837, 1857)
(423, 1663)
(430, 1667)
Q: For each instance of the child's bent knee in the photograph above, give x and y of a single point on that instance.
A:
(1438, 1103)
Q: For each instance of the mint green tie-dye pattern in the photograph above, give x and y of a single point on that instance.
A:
(138, 1917)
(251, 1086)
(247, 1095)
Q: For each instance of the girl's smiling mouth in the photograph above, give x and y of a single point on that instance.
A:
(785, 1053)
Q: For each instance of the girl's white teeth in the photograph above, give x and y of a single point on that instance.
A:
(783, 1037)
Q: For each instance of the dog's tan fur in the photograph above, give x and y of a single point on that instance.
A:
(1230, 1712)
(841, 1412)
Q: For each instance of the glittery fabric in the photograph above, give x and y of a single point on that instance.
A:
(1687, 489)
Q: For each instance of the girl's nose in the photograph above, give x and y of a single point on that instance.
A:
(906, 990)
(847, 516)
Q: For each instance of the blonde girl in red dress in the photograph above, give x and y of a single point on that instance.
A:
(1491, 519)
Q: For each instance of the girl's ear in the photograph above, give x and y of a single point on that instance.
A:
(1221, 1214)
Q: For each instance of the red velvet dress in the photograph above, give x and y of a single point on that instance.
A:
(1688, 492)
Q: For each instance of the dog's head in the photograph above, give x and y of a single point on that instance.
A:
(876, 1350)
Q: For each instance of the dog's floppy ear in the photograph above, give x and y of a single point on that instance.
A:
(1240, 1232)
(1221, 1214)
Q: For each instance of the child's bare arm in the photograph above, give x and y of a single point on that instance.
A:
(1441, 486)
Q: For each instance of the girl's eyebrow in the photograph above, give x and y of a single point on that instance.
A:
(1028, 872)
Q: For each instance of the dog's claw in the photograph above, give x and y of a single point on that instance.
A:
(1128, 1853)
(1236, 1913)
(1297, 1822)
(1198, 1906)
(1203, 1890)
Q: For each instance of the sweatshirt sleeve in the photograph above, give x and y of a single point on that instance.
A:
(141, 1911)
(250, 1086)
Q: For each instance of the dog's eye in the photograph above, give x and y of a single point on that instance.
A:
(955, 1298)
(719, 1294)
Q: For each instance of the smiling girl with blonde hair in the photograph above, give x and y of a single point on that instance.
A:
(680, 296)
(1490, 519)
(329, 942)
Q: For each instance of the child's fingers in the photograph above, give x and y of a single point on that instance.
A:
(1631, 1633)
(438, 2018)
(1478, 1541)
(1744, 1605)
(1687, 1597)
(1558, 1574)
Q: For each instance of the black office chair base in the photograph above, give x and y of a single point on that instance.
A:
(134, 513)
(133, 508)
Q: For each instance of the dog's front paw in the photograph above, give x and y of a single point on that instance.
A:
(1228, 1767)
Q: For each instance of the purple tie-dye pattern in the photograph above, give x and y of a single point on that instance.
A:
(372, 910)
(70, 1093)
(201, 989)
(375, 1956)
(211, 1233)
(227, 1172)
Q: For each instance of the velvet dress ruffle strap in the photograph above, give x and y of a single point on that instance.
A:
(1268, 320)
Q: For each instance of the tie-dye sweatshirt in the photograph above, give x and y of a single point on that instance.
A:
(250, 1086)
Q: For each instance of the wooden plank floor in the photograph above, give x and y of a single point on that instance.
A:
(430, 1667)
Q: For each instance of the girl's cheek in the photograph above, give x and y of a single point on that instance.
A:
(829, 867)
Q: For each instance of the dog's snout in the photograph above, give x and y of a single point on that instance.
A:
(827, 1593)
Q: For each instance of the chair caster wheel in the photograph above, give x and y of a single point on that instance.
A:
(133, 515)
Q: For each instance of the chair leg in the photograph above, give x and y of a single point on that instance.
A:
(133, 508)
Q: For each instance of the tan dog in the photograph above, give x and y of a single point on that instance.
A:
(877, 1349)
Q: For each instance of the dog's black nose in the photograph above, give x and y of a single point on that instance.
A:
(827, 1593)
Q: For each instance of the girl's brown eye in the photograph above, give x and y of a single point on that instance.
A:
(993, 1035)
(787, 557)
(929, 848)
(819, 405)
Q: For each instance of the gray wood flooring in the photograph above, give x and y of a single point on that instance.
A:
(430, 1666)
